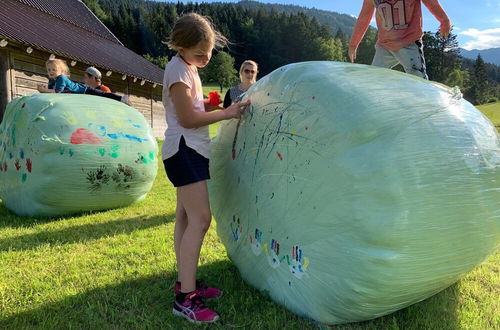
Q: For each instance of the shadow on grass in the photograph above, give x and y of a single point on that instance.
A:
(436, 312)
(12, 220)
(82, 233)
(146, 303)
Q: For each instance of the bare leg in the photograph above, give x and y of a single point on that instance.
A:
(194, 200)
(180, 227)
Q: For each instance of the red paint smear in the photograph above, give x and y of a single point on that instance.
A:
(17, 164)
(279, 155)
(83, 135)
(28, 164)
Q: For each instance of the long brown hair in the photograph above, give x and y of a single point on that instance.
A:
(191, 29)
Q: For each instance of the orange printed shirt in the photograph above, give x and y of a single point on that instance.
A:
(104, 88)
(399, 22)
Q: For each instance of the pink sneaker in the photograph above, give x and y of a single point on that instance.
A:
(194, 310)
(204, 291)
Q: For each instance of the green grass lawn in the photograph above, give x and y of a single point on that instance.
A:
(115, 270)
(492, 111)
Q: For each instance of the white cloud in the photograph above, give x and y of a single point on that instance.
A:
(482, 39)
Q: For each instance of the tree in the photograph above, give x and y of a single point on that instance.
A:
(160, 61)
(441, 55)
(96, 9)
(458, 78)
(479, 87)
(328, 49)
(366, 49)
(343, 38)
(221, 70)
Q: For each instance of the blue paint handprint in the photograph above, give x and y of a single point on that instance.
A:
(236, 229)
(297, 264)
(273, 255)
(256, 242)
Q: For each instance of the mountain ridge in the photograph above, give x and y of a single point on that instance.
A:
(490, 55)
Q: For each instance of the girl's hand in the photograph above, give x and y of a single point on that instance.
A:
(209, 107)
(41, 88)
(235, 110)
(352, 53)
(213, 101)
(445, 29)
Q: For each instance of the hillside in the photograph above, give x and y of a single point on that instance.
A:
(334, 20)
(491, 55)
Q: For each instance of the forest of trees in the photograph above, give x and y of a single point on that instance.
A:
(275, 35)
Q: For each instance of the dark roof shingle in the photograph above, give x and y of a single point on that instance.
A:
(64, 35)
(75, 12)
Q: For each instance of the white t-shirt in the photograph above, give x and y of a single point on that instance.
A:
(196, 138)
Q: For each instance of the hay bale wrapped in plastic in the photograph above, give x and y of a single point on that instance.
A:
(67, 153)
(348, 192)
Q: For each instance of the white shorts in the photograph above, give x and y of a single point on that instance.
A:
(410, 57)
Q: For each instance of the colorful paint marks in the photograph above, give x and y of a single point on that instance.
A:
(142, 158)
(256, 242)
(273, 254)
(295, 261)
(85, 150)
(236, 229)
(28, 164)
(297, 264)
(122, 177)
(83, 135)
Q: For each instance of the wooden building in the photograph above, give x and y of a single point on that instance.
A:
(32, 31)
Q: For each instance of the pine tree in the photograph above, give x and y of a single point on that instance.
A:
(441, 55)
(479, 87)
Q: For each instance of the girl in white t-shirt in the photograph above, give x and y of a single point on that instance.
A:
(185, 155)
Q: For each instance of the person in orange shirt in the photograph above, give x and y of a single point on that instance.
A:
(399, 24)
(92, 77)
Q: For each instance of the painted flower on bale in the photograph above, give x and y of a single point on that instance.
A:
(214, 98)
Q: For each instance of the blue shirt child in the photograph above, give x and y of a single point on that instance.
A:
(63, 84)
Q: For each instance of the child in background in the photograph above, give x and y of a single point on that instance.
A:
(58, 70)
(185, 155)
(399, 24)
(93, 78)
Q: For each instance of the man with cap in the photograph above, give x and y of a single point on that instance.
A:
(92, 77)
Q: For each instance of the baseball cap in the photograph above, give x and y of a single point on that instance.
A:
(94, 72)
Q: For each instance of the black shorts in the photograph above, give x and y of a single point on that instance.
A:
(186, 166)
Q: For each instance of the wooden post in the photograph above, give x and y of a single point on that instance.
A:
(5, 82)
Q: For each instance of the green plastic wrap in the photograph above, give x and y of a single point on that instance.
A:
(347, 192)
(67, 153)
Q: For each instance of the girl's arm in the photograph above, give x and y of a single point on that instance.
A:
(362, 24)
(188, 118)
(209, 107)
(435, 8)
(43, 89)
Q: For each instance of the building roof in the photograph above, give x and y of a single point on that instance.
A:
(67, 28)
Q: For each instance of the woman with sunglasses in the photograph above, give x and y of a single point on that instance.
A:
(248, 76)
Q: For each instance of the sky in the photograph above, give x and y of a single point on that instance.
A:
(476, 23)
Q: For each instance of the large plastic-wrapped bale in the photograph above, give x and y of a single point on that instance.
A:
(347, 192)
(67, 153)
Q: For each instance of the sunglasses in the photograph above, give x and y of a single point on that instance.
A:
(249, 71)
